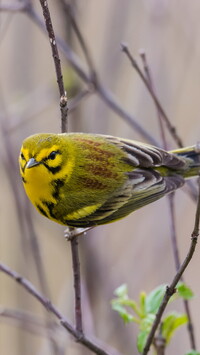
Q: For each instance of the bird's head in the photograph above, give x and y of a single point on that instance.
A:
(41, 154)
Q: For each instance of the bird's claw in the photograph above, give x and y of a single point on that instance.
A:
(71, 232)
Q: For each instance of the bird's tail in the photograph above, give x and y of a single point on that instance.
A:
(191, 156)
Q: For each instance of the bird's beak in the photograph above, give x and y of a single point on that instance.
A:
(32, 162)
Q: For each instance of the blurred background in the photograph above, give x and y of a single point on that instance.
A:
(136, 250)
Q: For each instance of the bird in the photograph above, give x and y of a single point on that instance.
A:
(84, 180)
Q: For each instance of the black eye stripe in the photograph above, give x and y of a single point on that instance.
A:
(22, 156)
(53, 170)
(52, 155)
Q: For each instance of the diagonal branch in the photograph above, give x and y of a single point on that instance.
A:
(14, 6)
(83, 339)
(70, 13)
(171, 206)
(150, 82)
(172, 288)
(100, 89)
(170, 127)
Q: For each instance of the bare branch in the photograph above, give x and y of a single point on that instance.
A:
(29, 322)
(75, 101)
(173, 231)
(172, 211)
(150, 81)
(70, 13)
(177, 265)
(83, 339)
(170, 127)
(13, 6)
(102, 91)
(56, 58)
(77, 283)
(172, 288)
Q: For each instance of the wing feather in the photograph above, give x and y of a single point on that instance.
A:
(141, 188)
(147, 156)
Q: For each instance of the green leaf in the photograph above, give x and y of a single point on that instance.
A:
(154, 299)
(147, 322)
(127, 317)
(184, 291)
(132, 304)
(122, 298)
(193, 352)
(121, 291)
(171, 322)
(118, 307)
(141, 340)
(143, 303)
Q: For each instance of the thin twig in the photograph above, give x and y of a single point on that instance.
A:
(70, 13)
(177, 265)
(14, 7)
(150, 81)
(22, 222)
(101, 90)
(63, 104)
(26, 224)
(173, 232)
(75, 101)
(160, 343)
(83, 339)
(171, 204)
(171, 289)
(77, 283)
(169, 292)
(55, 54)
(29, 322)
(170, 127)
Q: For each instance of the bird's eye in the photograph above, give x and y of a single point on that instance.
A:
(22, 156)
(52, 155)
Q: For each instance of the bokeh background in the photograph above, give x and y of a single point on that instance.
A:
(136, 250)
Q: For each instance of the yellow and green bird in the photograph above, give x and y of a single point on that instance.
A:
(84, 180)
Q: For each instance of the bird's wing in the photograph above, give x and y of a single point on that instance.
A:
(146, 156)
(146, 186)
(141, 188)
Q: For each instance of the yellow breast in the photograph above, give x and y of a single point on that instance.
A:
(38, 185)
